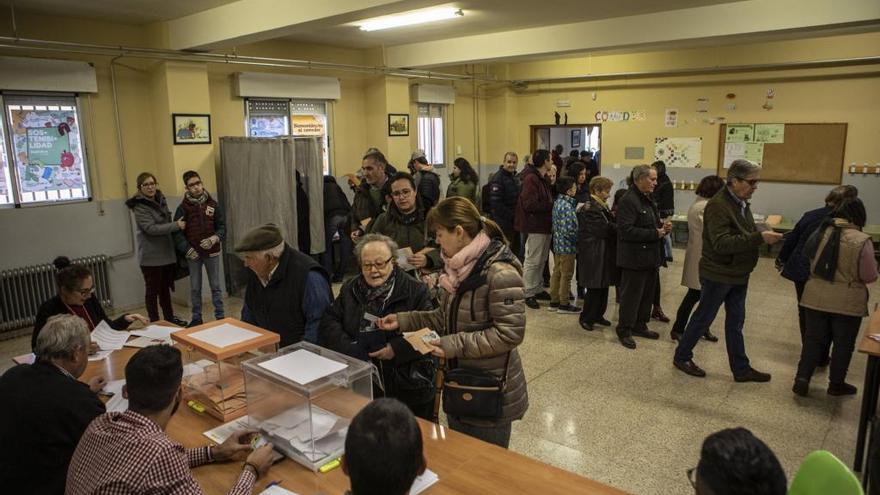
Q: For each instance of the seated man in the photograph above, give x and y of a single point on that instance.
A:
(383, 449)
(129, 452)
(735, 462)
(288, 291)
(46, 410)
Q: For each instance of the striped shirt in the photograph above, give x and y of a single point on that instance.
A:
(127, 453)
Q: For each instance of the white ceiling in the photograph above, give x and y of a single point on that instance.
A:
(490, 16)
(124, 11)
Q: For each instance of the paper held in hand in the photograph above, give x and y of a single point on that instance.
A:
(107, 338)
(403, 255)
(420, 338)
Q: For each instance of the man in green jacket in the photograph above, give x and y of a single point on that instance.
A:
(730, 252)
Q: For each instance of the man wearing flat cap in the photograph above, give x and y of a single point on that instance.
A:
(288, 291)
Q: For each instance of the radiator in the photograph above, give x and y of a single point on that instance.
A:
(23, 290)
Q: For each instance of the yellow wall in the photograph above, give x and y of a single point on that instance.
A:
(821, 95)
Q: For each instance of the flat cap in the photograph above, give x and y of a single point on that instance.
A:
(260, 238)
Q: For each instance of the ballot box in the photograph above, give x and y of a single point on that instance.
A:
(303, 397)
(212, 353)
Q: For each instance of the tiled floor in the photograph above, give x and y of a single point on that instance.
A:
(629, 419)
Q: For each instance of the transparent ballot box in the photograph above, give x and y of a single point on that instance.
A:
(303, 398)
(212, 354)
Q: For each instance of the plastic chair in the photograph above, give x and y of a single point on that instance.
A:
(821, 473)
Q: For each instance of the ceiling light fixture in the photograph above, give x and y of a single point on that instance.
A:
(410, 18)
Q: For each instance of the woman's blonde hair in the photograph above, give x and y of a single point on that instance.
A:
(600, 183)
(455, 211)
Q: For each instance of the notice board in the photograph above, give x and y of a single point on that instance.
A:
(808, 153)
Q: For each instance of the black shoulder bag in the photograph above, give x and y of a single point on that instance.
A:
(474, 393)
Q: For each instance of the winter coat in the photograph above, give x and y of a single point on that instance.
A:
(690, 274)
(413, 235)
(565, 225)
(335, 201)
(483, 321)
(504, 191)
(596, 247)
(465, 189)
(365, 205)
(428, 184)
(730, 241)
(796, 265)
(534, 207)
(638, 245)
(664, 196)
(154, 229)
(202, 221)
(847, 294)
(344, 320)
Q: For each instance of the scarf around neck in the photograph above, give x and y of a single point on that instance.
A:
(200, 200)
(599, 200)
(458, 267)
(374, 297)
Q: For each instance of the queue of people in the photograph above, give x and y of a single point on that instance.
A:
(469, 278)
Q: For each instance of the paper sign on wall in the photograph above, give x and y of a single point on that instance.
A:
(754, 152)
(770, 133)
(671, 117)
(679, 152)
(740, 133)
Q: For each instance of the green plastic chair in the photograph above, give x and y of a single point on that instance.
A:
(822, 473)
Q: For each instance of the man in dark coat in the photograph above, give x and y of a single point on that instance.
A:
(336, 213)
(287, 292)
(46, 409)
(381, 289)
(503, 194)
(369, 199)
(427, 181)
(730, 252)
(639, 236)
(534, 211)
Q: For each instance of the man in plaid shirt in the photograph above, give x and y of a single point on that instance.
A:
(129, 453)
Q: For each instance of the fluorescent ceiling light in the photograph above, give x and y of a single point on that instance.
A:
(410, 18)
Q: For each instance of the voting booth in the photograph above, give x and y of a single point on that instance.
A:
(212, 355)
(303, 397)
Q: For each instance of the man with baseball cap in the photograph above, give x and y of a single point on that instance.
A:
(288, 290)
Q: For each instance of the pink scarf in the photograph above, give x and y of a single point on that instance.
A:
(458, 267)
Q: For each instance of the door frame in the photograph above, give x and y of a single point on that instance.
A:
(533, 132)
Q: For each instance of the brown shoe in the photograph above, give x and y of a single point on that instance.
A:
(659, 315)
(752, 375)
(690, 367)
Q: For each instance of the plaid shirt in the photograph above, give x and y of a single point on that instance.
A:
(127, 453)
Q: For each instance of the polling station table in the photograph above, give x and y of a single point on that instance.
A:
(871, 348)
(464, 465)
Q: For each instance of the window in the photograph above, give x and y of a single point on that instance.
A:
(48, 164)
(431, 132)
(309, 118)
(267, 118)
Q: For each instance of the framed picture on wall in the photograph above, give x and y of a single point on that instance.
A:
(398, 124)
(575, 138)
(191, 128)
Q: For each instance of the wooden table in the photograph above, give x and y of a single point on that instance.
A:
(465, 465)
(869, 393)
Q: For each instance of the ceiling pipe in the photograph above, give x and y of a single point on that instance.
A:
(813, 64)
(225, 58)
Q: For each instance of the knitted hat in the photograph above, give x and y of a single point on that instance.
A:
(260, 238)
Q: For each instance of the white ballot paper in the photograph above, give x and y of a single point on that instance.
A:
(327, 429)
(117, 403)
(303, 366)
(107, 338)
(99, 355)
(221, 433)
(403, 255)
(277, 490)
(224, 335)
(421, 483)
(157, 332)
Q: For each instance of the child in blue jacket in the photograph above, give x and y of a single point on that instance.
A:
(565, 228)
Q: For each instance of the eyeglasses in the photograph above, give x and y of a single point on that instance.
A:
(194, 184)
(692, 477)
(401, 193)
(86, 292)
(379, 265)
(149, 184)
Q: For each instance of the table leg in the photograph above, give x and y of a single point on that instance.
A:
(869, 408)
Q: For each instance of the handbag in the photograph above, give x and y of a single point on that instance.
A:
(474, 393)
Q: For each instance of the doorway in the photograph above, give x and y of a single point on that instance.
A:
(580, 137)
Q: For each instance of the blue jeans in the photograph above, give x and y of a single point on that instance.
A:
(712, 295)
(212, 266)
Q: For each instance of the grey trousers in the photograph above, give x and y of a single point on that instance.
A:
(537, 251)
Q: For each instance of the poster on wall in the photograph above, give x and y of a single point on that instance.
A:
(740, 133)
(753, 152)
(686, 152)
(770, 133)
(47, 149)
(671, 117)
(307, 125)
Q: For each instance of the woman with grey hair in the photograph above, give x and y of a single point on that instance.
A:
(348, 326)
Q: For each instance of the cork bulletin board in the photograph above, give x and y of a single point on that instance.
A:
(809, 154)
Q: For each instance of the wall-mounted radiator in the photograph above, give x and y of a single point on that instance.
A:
(22, 290)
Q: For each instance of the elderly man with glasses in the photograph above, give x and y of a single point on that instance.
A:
(730, 252)
(288, 291)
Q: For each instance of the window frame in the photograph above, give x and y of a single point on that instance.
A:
(9, 148)
(430, 150)
(290, 102)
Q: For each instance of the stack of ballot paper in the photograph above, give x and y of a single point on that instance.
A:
(292, 426)
(224, 431)
(424, 481)
(107, 338)
(152, 335)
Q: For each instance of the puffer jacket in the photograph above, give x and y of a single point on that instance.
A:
(483, 321)
(565, 226)
(154, 229)
(413, 235)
